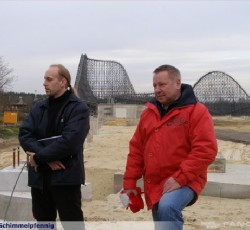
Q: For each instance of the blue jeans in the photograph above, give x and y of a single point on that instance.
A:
(167, 214)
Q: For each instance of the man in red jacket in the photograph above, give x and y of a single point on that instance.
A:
(171, 149)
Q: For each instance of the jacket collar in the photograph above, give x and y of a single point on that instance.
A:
(45, 103)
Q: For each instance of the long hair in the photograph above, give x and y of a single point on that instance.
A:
(64, 72)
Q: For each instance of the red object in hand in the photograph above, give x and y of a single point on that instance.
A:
(136, 202)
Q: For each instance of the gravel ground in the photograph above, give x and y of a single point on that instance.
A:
(232, 135)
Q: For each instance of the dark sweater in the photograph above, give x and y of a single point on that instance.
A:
(55, 107)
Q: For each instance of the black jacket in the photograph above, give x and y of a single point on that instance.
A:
(72, 125)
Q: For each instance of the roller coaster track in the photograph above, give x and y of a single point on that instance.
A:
(100, 81)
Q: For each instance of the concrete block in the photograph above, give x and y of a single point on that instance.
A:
(118, 182)
(19, 209)
(218, 166)
(20, 205)
(8, 178)
(9, 175)
(226, 190)
(235, 183)
(86, 192)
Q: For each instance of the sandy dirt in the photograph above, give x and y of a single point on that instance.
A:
(106, 155)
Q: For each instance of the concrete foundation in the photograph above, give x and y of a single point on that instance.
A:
(118, 181)
(218, 166)
(8, 177)
(20, 207)
(235, 183)
(131, 112)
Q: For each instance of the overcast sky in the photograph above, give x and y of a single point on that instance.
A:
(195, 36)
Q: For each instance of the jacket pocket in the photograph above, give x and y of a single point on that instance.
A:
(35, 179)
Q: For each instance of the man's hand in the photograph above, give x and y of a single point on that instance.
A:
(170, 185)
(56, 165)
(32, 162)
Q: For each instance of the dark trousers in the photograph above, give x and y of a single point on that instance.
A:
(64, 199)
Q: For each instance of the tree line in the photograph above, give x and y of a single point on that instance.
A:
(9, 99)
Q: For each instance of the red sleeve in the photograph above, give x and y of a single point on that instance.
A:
(203, 146)
(135, 162)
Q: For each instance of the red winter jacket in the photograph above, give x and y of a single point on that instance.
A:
(181, 145)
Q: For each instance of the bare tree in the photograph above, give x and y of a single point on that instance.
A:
(6, 76)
